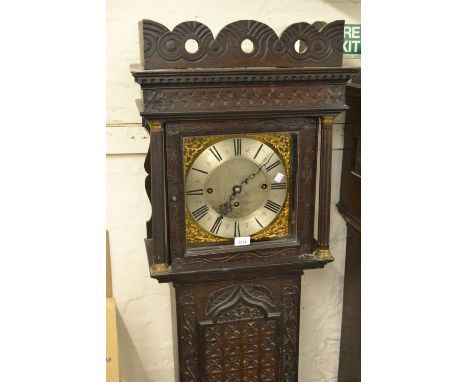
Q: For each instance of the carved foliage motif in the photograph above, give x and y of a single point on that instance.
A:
(290, 329)
(188, 336)
(322, 45)
(258, 98)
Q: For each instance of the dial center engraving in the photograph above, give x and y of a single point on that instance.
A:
(247, 196)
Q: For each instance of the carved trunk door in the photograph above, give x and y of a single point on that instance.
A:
(244, 331)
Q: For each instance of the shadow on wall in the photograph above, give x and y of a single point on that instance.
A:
(131, 367)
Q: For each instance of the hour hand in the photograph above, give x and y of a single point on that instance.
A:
(225, 208)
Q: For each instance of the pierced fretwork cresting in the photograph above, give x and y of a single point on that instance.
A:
(321, 45)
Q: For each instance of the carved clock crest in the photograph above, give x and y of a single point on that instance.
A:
(233, 159)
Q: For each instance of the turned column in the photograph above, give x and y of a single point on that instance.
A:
(323, 236)
(157, 195)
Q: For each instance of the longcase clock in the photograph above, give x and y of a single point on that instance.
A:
(235, 123)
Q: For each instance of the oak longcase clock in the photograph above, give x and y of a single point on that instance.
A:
(235, 122)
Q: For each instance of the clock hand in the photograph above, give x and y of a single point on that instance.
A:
(226, 207)
(251, 176)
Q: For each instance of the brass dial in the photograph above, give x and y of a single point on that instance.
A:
(236, 187)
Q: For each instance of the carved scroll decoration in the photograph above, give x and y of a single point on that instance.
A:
(321, 45)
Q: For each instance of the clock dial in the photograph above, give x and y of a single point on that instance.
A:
(236, 187)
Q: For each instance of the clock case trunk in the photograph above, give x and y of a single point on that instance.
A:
(237, 311)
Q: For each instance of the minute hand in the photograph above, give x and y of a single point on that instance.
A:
(251, 176)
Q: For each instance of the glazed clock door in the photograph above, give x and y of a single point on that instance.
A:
(239, 185)
(245, 183)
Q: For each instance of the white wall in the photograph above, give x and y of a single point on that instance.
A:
(144, 309)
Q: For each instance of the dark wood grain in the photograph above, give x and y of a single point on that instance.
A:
(350, 348)
(350, 191)
(325, 182)
(158, 196)
(162, 48)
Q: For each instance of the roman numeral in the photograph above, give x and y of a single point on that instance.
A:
(278, 186)
(195, 192)
(273, 165)
(216, 225)
(237, 146)
(200, 212)
(196, 169)
(236, 229)
(272, 206)
(260, 224)
(216, 153)
(255, 157)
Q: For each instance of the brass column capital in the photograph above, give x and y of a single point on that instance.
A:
(327, 119)
(154, 125)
